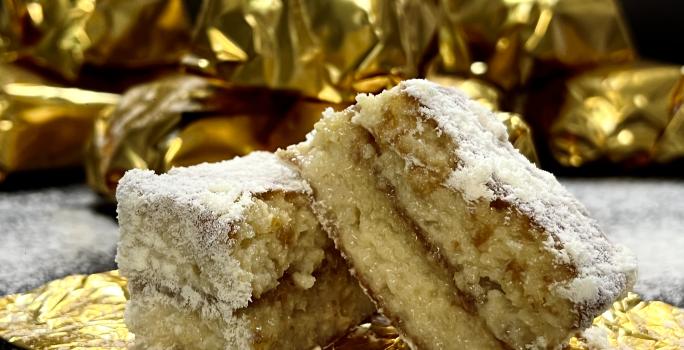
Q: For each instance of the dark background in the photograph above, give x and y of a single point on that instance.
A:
(657, 27)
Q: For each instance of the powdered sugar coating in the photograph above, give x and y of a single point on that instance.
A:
(225, 188)
(490, 168)
(198, 207)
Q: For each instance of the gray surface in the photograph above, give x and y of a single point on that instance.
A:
(646, 215)
(46, 234)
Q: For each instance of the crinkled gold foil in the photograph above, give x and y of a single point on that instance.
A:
(42, 125)
(519, 132)
(670, 146)
(510, 41)
(64, 35)
(328, 50)
(620, 114)
(632, 323)
(87, 311)
(180, 121)
(73, 312)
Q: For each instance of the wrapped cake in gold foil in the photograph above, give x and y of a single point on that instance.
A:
(62, 36)
(87, 312)
(622, 114)
(510, 42)
(43, 125)
(182, 120)
(328, 50)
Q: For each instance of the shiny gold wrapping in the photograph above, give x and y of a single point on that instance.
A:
(179, 121)
(620, 114)
(87, 312)
(327, 50)
(43, 125)
(63, 35)
(670, 146)
(73, 312)
(508, 42)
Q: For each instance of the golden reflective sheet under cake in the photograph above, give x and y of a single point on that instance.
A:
(461, 241)
(229, 256)
(92, 317)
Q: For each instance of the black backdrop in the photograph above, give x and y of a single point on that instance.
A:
(657, 27)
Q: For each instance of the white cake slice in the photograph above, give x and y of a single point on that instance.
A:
(229, 256)
(458, 238)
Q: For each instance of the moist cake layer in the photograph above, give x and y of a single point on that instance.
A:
(409, 285)
(229, 229)
(287, 317)
(520, 252)
(217, 241)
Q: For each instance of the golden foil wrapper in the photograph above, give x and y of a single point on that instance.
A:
(620, 114)
(42, 125)
(73, 312)
(87, 312)
(519, 132)
(670, 146)
(327, 50)
(64, 35)
(185, 120)
(508, 42)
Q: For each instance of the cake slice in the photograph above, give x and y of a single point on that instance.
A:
(458, 238)
(230, 256)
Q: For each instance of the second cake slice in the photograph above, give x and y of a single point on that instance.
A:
(462, 242)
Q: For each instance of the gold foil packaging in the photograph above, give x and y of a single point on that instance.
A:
(87, 311)
(64, 35)
(73, 312)
(184, 120)
(510, 42)
(622, 114)
(328, 50)
(43, 125)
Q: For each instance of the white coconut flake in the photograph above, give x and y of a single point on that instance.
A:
(225, 188)
(490, 168)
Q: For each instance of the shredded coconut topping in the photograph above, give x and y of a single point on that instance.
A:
(225, 188)
(490, 168)
(202, 205)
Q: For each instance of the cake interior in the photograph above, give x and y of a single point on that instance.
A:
(269, 280)
(407, 281)
(287, 317)
(450, 274)
(498, 257)
(279, 236)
